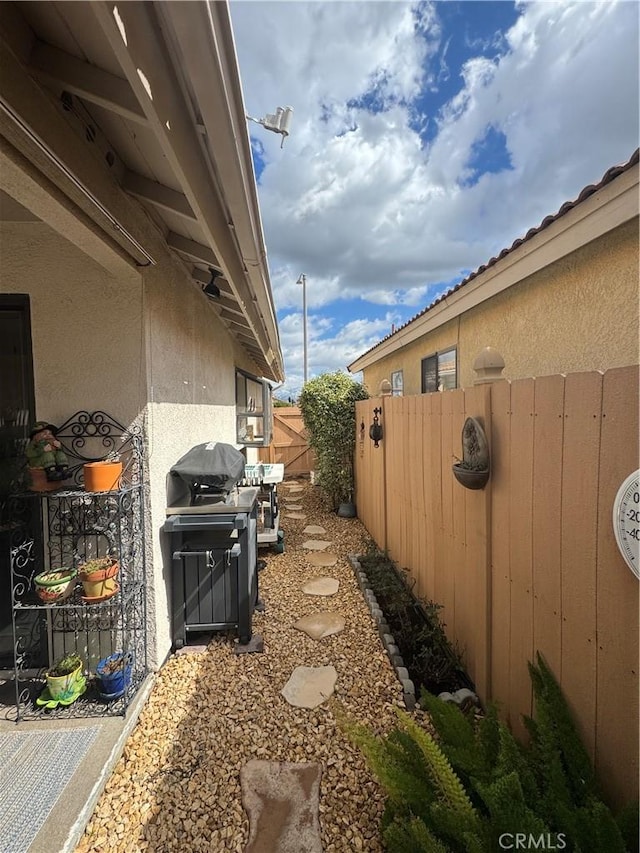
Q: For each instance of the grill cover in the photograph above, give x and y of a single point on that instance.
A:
(214, 465)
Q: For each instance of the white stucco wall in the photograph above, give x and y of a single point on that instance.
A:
(142, 346)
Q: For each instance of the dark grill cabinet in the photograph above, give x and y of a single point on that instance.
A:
(214, 565)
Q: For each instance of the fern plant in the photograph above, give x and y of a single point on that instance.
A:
(461, 792)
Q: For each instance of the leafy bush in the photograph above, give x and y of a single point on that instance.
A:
(328, 406)
(459, 794)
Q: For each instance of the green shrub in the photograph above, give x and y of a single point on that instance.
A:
(459, 794)
(328, 406)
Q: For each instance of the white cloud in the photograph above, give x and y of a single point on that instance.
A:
(359, 203)
(331, 344)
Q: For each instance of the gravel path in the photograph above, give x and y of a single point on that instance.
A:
(177, 786)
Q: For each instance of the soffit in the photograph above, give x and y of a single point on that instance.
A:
(127, 144)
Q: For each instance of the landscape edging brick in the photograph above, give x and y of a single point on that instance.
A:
(386, 637)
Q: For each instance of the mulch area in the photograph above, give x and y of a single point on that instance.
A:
(177, 784)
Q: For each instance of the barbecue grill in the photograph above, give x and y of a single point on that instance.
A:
(212, 529)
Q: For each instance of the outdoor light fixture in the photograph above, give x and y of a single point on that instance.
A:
(212, 290)
(375, 430)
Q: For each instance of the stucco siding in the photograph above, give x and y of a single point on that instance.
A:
(191, 368)
(145, 347)
(577, 314)
(86, 325)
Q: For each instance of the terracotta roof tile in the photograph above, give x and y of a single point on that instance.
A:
(584, 194)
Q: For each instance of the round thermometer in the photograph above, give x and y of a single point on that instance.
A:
(626, 521)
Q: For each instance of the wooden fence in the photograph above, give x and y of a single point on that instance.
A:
(289, 444)
(530, 562)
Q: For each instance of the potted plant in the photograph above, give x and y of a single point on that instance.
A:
(104, 475)
(472, 471)
(114, 674)
(64, 679)
(98, 577)
(55, 585)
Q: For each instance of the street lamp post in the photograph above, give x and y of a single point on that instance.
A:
(303, 281)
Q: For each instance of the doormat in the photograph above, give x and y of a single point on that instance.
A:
(35, 768)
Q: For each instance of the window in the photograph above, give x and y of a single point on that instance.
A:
(397, 383)
(440, 371)
(253, 410)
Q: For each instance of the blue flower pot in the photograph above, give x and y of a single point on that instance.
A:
(114, 681)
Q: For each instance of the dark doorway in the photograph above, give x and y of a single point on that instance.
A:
(17, 413)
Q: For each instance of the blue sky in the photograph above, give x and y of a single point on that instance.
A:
(426, 137)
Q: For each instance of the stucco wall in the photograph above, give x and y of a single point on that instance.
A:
(191, 366)
(86, 326)
(580, 313)
(147, 346)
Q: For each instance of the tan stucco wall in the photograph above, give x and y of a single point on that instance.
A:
(580, 313)
(144, 346)
(191, 360)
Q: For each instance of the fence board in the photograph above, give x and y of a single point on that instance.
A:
(547, 518)
(616, 596)
(500, 551)
(520, 557)
(458, 567)
(428, 480)
(436, 496)
(477, 593)
(582, 416)
(445, 565)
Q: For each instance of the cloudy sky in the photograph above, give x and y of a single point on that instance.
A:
(425, 138)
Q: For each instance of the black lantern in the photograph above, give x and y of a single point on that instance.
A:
(375, 430)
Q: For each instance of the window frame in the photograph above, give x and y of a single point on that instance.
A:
(245, 413)
(397, 388)
(436, 355)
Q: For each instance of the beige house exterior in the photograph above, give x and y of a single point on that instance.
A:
(127, 181)
(562, 299)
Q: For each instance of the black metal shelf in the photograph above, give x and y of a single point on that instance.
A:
(65, 527)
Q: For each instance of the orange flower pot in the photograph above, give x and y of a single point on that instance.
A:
(102, 476)
(99, 582)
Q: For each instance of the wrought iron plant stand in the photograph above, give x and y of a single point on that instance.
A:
(64, 528)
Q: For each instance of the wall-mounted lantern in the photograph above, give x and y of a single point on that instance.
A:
(375, 430)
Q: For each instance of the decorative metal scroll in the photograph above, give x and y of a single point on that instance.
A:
(46, 531)
(94, 436)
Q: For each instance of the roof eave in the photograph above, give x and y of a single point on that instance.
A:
(611, 206)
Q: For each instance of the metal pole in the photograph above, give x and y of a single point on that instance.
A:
(303, 281)
(304, 312)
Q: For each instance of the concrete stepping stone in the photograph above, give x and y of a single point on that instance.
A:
(299, 515)
(322, 558)
(294, 490)
(321, 586)
(315, 529)
(319, 625)
(316, 544)
(310, 686)
(282, 800)
(293, 507)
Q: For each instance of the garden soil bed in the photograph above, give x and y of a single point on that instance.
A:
(432, 662)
